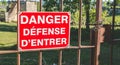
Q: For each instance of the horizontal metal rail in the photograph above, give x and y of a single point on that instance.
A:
(114, 40)
(105, 24)
(8, 51)
(71, 47)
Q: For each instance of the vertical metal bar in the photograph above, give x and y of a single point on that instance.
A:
(40, 53)
(99, 11)
(80, 20)
(95, 51)
(18, 53)
(92, 42)
(97, 47)
(113, 24)
(40, 58)
(61, 5)
(60, 52)
(78, 56)
(40, 5)
(98, 31)
(113, 18)
(79, 32)
(111, 53)
(60, 57)
(18, 58)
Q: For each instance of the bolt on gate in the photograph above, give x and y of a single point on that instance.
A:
(95, 37)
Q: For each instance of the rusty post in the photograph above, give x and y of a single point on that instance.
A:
(97, 32)
(99, 11)
(18, 53)
(18, 58)
(79, 32)
(97, 48)
(60, 51)
(96, 40)
(40, 53)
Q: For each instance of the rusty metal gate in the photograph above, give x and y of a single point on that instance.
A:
(95, 38)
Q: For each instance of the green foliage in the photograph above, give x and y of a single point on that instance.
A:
(108, 20)
(68, 5)
(3, 2)
(117, 2)
(75, 17)
(117, 20)
(86, 4)
(92, 15)
(51, 5)
(87, 12)
(71, 5)
(104, 18)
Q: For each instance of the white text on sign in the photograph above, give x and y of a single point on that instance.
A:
(43, 31)
(44, 19)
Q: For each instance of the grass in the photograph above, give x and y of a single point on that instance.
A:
(8, 34)
(8, 40)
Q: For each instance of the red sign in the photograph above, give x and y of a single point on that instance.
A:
(43, 30)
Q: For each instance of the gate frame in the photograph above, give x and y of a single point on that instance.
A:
(96, 46)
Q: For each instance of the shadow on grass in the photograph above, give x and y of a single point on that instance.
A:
(14, 47)
(8, 28)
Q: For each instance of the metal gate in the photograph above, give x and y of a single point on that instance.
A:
(95, 38)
